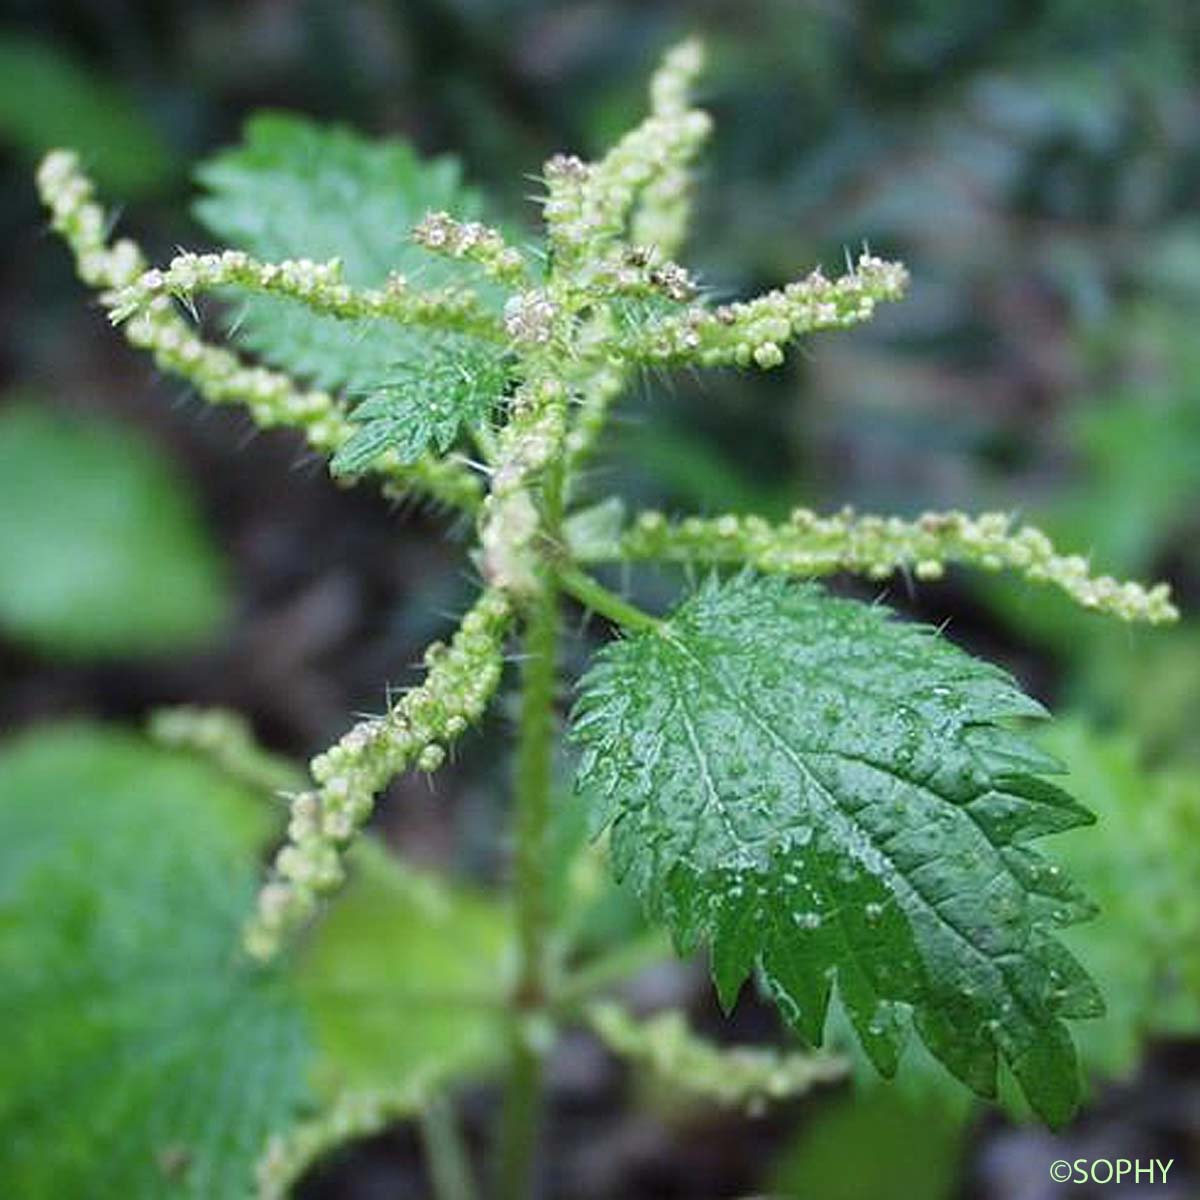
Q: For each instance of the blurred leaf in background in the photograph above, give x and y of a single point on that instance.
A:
(145, 1055)
(1141, 866)
(1149, 688)
(141, 1058)
(1128, 496)
(404, 978)
(869, 1146)
(1133, 487)
(48, 99)
(104, 552)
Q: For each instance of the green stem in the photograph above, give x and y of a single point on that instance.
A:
(520, 1120)
(535, 761)
(595, 596)
(613, 967)
(534, 782)
(449, 1161)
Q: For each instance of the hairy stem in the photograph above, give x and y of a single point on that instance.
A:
(534, 782)
(534, 776)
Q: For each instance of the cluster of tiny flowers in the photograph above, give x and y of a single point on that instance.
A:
(440, 233)
(319, 285)
(509, 525)
(877, 546)
(660, 145)
(68, 194)
(661, 217)
(754, 332)
(155, 324)
(635, 271)
(529, 317)
(736, 1076)
(612, 267)
(588, 204)
(564, 176)
(671, 84)
(353, 1115)
(460, 681)
(644, 181)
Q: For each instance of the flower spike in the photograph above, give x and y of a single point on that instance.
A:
(809, 545)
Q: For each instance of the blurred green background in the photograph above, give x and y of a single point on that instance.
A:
(1036, 165)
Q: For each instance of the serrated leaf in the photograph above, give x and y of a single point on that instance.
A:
(103, 547)
(142, 1056)
(298, 189)
(422, 407)
(1141, 865)
(401, 978)
(803, 782)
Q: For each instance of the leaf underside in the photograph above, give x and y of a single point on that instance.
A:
(296, 189)
(830, 795)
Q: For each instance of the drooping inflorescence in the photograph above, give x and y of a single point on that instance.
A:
(461, 680)
(218, 375)
(319, 285)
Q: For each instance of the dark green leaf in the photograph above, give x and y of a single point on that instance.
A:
(142, 1056)
(805, 783)
(1141, 865)
(103, 549)
(296, 189)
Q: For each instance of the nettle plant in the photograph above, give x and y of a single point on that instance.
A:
(827, 798)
